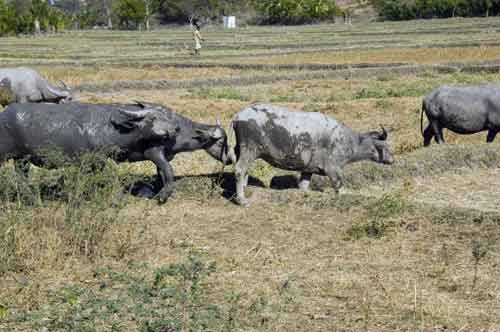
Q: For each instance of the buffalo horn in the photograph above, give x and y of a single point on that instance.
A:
(384, 135)
(65, 86)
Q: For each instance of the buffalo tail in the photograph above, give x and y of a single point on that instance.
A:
(422, 118)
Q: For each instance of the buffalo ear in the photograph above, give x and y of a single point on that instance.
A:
(128, 120)
(201, 134)
(211, 133)
(65, 86)
(381, 136)
(371, 134)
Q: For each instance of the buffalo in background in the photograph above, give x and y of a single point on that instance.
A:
(463, 110)
(25, 85)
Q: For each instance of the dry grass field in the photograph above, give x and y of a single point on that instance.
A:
(410, 247)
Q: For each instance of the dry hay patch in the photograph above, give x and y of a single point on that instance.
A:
(425, 55)
(78, 75)
(476, 189)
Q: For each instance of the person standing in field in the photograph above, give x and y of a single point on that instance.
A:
(197, 37)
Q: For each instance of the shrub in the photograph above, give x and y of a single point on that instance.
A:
(413, 9)
(7, 19)
(296, 12)
(130, 13)
(71, 209)
(16, 18)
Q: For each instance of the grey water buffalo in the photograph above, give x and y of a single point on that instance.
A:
(311, 143)
(134, 132)
(29, 86)
(461, 109)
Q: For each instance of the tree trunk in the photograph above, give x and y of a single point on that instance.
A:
(147, 15)
(37, 26)
(108, 14)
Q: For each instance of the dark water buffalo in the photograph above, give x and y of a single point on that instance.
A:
(134, 132)
(27, 85)
(311, 143)
(461, 109)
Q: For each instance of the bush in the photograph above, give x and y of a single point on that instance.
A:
(7, 19)
(130, 13)
(415, 9)
(295, 11)
(20, 18)
(58, 213)
(181, 11)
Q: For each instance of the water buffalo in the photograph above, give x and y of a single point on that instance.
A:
(461, 109)
(29, 86)
(139, 131)
(311, 143)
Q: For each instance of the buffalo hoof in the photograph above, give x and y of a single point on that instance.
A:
(164, 195)
(339, 191)
(145, 192)
(242, 202)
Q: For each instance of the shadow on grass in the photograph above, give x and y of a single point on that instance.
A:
(284, 182)
(56, 188)
(290, 181)
(148, 187)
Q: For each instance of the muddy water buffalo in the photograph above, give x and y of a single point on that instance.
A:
(29, 86)
(461, 109)
(311, 143)
(134, 132)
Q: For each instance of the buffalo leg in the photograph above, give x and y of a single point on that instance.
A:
(335, 176)
(242, 166)
(157, 156)
(438, 132)
(491, 135)
(428, 134)
(305, 180)
(158, 180)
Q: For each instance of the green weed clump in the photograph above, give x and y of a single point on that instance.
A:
(479, 250)
(219, 93)
(376, 221)
(381, 93)
(181, 287)
(172, 297)
(48, 215)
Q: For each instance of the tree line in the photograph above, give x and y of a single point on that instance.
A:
(27, 16)
(421, 9)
